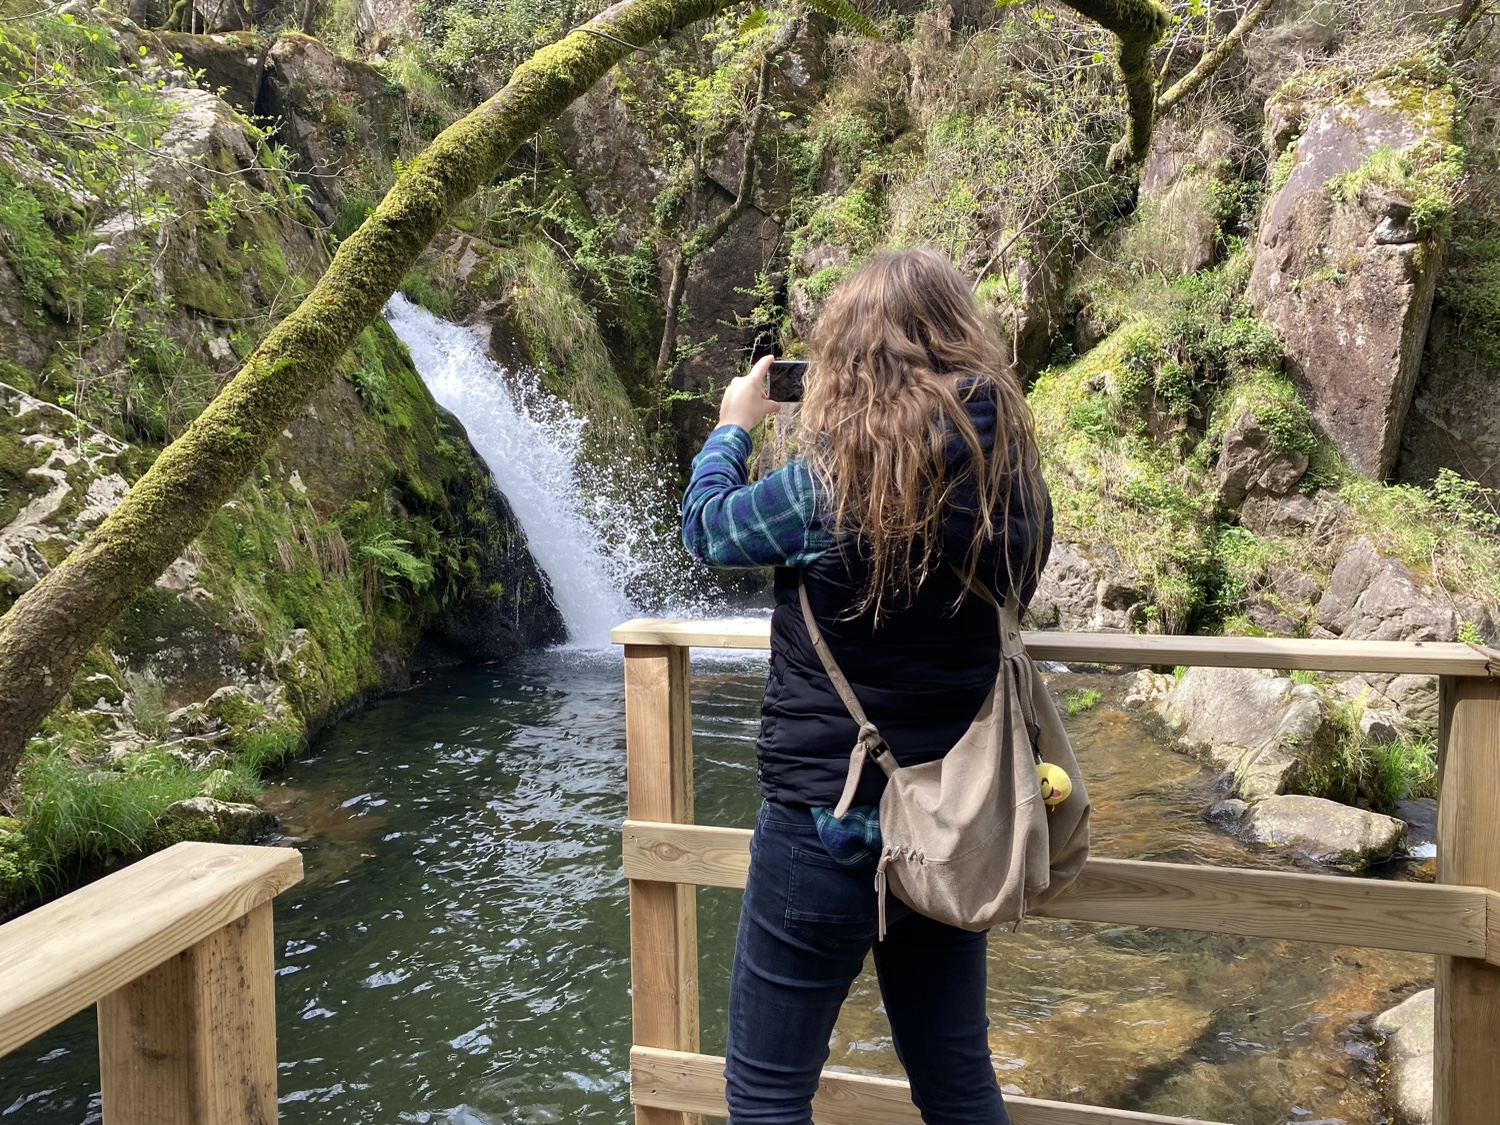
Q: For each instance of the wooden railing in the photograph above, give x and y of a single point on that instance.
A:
(177, 953)
(667, 857)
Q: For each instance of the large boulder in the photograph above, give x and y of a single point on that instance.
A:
(1261, 729)
(1086, 591)
(1323, 831)
(1407, 1030)
(1347, 277)
(1372, 597)
(1176, 227)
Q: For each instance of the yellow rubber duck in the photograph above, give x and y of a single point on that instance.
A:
(1055, 782)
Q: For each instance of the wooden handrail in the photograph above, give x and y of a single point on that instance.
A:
(1458, 919)
(685, 1082)
(1431, 658)
(177, 952)
(1292, 905)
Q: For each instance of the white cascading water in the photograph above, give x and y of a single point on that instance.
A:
(531, 445)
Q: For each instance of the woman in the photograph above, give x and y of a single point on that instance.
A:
(919, 473)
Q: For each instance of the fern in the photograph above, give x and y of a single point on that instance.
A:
(389, 556)
(843, 12)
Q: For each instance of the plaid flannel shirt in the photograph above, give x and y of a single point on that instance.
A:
(729, 522)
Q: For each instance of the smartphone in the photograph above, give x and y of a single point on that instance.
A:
(784, 380)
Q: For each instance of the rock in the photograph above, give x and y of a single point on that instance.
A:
(1371, 597)
(1407, 1029)
(231, 63)
(1348, 287)
(337, 115)
(1228, 814)
(1145, 687)
(1259, 728)
(1453, 422)
(1391, 706)
(1177, 225)
(1420, 816)
(1323, 831)
(204, 818)
(1081, 592)
(1250, 464)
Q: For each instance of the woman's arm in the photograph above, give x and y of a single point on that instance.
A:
(726, 520)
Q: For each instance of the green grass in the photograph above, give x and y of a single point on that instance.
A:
(1080, 701)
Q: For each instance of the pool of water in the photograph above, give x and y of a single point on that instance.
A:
(458, 952)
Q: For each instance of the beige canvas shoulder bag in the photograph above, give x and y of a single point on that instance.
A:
(967, 839)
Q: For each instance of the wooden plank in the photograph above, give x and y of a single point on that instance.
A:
(1419, 657)
(1417, 917)
(1466, 1081)
(66, 955)
(663, 915)
(194, 1039)
(695, 1083)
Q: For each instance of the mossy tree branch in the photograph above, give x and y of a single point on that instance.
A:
(1138, 26)
(1214, 58)
(47, 633)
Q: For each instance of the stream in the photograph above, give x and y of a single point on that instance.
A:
(458, 952)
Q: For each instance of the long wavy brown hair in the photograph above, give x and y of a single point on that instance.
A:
(899, 349)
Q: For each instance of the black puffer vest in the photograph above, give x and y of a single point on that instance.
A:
(921, 675)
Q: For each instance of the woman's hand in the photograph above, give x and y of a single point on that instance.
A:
(745, 403)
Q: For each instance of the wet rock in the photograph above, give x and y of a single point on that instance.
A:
(1407, 1029)
(204, 818)
(1420, 815)
(1348, 287)
(1250, 464)
(1228, 814)
(1371, 597)
(1323, 831)
(1259, 728)
(1086, 591)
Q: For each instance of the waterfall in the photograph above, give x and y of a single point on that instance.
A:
(531, 443)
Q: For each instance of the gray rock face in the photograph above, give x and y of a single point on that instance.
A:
(1323, 831)
(1250, 464)
(1348, 287)
(1257, 727)
(1408, 1053)
(1455, 417)
(1371, 597)
(1082, 592)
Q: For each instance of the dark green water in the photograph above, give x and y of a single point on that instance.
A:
(458, 951)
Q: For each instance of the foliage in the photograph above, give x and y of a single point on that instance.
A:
(1080, 701)
(1427, 174)
(1379, 772)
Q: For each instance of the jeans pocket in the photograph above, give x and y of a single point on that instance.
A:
(829, 906)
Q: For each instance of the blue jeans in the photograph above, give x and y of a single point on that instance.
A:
(805, 926)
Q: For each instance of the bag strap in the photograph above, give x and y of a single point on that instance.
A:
(870, 743)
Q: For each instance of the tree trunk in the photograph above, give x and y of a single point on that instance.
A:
(1138, 25)
(46, 634)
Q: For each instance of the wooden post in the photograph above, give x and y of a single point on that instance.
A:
(1466, 1033)
(663, 916)
(193, 1041)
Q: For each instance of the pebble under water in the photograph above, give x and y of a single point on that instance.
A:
(458, 952)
